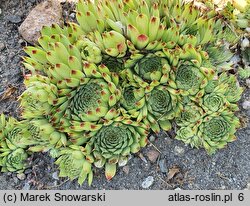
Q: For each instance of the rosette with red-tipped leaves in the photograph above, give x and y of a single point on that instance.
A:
(190, 79)
(213, 132)
(75, 162)
(114, 142)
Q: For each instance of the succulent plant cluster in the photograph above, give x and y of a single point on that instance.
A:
(96, 88)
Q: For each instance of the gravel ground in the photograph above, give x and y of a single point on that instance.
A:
(164, 164)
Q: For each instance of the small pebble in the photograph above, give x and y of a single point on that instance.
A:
(248, 83)
(177, 188)
(147, 182)
(125, 169)
(179, 150)
(153, 155)
(55, 176)
(245, 43)
(72, 15)
(14, 19)
(15, 180)
(151, 138)
(246, 104)
(27, 171)
(21, 176)
(2, 46)
(0, 11)
(26, 186)
(247, 187)
(163, 165)
(20, 41)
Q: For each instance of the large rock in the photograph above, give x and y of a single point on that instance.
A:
(44, 14)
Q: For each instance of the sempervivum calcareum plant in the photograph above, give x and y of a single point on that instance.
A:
(94, 90)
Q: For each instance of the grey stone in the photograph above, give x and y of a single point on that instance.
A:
(177, 188)
(179, 150)
(21, 176)
(55, 176)
(2, 46)
(248, 83)
(15, 180)
(27, 171)
(247, 187)
(151, 138)
(125, 169)
(44, 14)
(246, 104)
(163, 165)
(147, 182)
(26, 186)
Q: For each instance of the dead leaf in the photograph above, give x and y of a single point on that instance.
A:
(172, 172)
(8, 92)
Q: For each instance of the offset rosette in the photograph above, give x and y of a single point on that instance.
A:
(13, 160)
(227, 86)
(75, 162)
(56, 46)
(191, 80)
(153, 103)
(112, 43)
(35, 99)
(163, 104)
(233, 91)
(212, 133)
(89, 51)
(150, 67)
(13, 142)
(133, 101)
(217, 131)
(99, 16)
(188, 134)
(215, 101)
(13, 134)
(43, 136)
(190, 114)
(113, 143)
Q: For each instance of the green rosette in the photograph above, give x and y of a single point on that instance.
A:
(188, 134)
(44, 137)
(163, 104)
(75, 162)
(234, 91)
(14, 139)
(149, 68)
(191, 114)
(217, 131)
(114, 142)
(13, 160)
(212, 133)
(191, 80)
(133, 102)
(216, 101)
